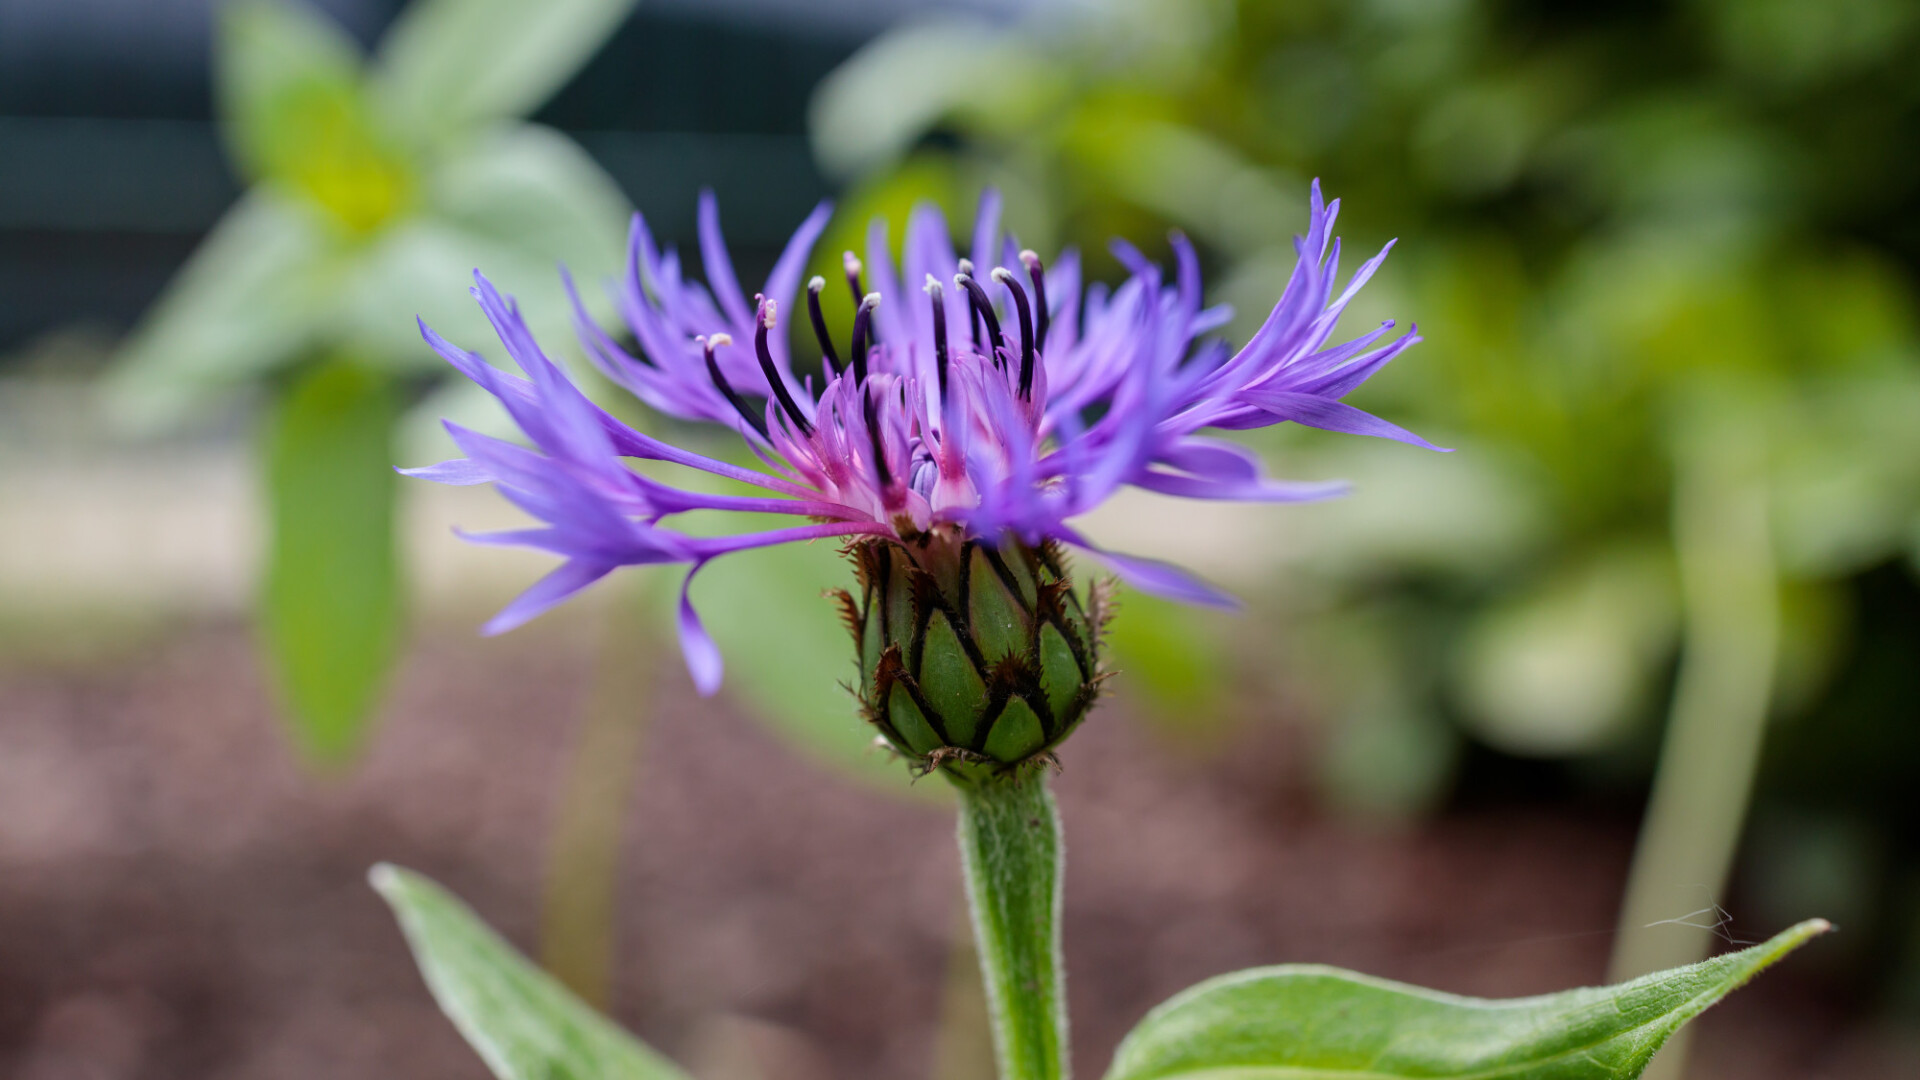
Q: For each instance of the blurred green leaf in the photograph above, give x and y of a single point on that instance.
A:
(255, 294)
(421, 270)
(1301, 1021)
(1389, 757)
(523, 1023)
(1564, 665)
(1184, 174)
(330, 603)
(450, 65)
(278, 64)
(516, 206)
(290, 90)
(535, 190)
(871, 109)
(1170, 654)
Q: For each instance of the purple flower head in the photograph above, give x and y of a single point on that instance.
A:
(993, 397)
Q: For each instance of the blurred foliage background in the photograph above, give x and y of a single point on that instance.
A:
(1663, 258)
(1663, 255)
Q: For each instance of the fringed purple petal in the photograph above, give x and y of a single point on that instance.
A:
(549, 591)
(986, 227)
(461, 472)
(703, 658)
(1329, 415)
(1156, 577)
(784, 279)
(1257, 490)
(1124, 381)
(718, 265)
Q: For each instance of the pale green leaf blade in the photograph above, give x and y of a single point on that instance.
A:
(422, 270)
(516, 206)
(536, 190)
(280, 69)
(251, 297)
(523, 1023)
(1302, 1022)
(869, 111)
(449, 65)
(295, 113)
(330, 605)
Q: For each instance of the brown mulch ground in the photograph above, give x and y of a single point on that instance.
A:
(179, 899)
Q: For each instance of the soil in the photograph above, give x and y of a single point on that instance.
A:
(180, 898)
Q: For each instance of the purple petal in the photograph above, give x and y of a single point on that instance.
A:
(1329, 415)
(463, 472)
(785, 276)
(1214, 459)
(567, 579)
(719, 268)
(1156, 577)
(1255, 490)
(708, 547)
(986, 226)
(702, 655)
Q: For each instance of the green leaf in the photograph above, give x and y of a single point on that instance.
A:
(1304, 1022)
(537, 191)
(450, 65)
(330, 606)
(870, 110)
(516, 206)
(289, 88)
(278, 66)
(253, 296)
(523, 1023)
(1172, 655)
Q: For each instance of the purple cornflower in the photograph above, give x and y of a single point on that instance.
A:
(992, 398)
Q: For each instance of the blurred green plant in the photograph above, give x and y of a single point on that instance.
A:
(375, 182)
(1640, 228)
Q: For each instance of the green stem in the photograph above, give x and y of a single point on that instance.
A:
(1010, 848)
(578, 914)
(1729, 586)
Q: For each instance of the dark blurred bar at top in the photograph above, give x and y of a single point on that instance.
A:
(111, 168)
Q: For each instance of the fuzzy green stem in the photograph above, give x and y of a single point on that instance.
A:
(1011, 851)
(579, 914)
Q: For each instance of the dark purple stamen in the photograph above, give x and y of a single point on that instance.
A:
(1038, 274)
(983, 309)
(779, 385)
(873, 435)
(862, 327)
(1005, 277)
(820, 324)
(937, 295)
(721, 384)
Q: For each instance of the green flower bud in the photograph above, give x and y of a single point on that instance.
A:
(971, 653)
